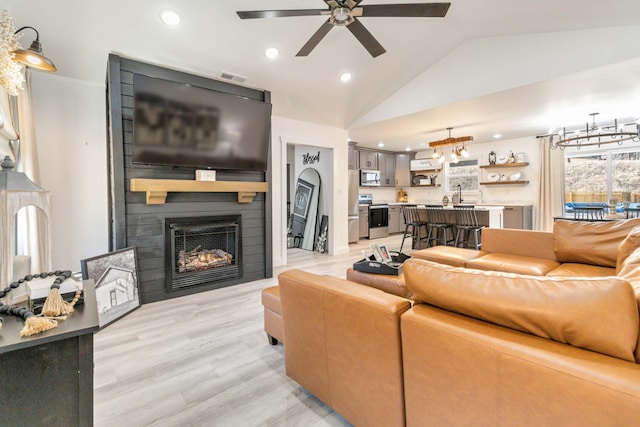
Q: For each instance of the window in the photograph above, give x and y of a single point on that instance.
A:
(464, 173)
(608, 175)
(625, 176)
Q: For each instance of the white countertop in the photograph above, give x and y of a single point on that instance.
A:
(477, 205)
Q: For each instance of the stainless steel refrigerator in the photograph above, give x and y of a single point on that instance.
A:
(354, 226)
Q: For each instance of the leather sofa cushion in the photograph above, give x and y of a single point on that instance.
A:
(627, 246)
(593, 242)
(536, 244)
(570, 269)
(449, 255)
(385, 282)
(513, 264)
(630, 271)
(595, 314)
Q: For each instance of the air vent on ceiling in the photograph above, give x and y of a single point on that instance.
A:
(233, 77)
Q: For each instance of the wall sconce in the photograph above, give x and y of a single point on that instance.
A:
(33, 56)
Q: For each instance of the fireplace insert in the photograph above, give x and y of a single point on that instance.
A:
(202, 250)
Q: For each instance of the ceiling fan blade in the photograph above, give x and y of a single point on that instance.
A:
(315, 39)
(253, 14)
(364, 36)
(406, 10)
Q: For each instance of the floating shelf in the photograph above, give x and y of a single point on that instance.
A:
(157, 189)
(506, 165)
(504, 183)
(426, 185)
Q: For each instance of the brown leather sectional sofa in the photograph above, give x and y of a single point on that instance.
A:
(478, 346)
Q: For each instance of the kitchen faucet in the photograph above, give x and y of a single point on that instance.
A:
(459, 193)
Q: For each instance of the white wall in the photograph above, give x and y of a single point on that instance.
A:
(71, 134)
(288, 131)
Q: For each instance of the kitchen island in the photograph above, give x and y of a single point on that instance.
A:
(489, 216)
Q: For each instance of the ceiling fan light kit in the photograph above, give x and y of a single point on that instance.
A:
(341, 16)
(344, 13)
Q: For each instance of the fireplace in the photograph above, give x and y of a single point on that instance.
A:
(202, 250)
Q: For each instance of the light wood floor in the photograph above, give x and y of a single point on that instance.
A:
(204, 360)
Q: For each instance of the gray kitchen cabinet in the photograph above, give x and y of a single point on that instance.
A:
(519, 217)
(352, 159)
(394, 224)
(363, 219)
(402, 170)
(387, 166)
(368, 159)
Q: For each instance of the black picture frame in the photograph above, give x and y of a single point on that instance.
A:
(115, 277)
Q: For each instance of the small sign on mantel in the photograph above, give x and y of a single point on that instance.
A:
(205, 175)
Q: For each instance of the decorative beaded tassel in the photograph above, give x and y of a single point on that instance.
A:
(54, 305)
(32, 324)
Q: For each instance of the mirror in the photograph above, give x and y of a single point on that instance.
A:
(304, 216)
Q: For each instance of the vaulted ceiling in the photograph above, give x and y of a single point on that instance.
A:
(490, 66)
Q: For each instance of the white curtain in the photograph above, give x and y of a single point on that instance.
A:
(551, 190)
(7, 130)
(31, 222)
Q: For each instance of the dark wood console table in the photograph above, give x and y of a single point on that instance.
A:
(48, 377)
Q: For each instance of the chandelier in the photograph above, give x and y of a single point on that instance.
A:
(594, 135)
(458, 147)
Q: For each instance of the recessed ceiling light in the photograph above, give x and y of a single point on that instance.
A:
(381, 144)
(423, 143)
(272, 53)
(407, 149)
(170, 17)
(497, 136)
(345, 77)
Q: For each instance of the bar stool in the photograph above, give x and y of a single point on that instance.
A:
(467, 222)
(437, 221)
(412, 220)
(590, 213)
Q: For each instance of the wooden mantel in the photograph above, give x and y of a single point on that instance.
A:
(157, 189)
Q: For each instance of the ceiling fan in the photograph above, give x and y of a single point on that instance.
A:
(346, 13)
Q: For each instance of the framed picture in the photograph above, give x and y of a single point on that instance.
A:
(375, 249)
(302, 198)
(384, 251)
(115, 276)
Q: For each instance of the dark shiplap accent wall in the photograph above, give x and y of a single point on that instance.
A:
(134, 223)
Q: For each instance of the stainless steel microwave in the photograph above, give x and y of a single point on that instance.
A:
(369, 178)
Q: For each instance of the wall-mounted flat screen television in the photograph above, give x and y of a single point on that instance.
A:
(178, 124)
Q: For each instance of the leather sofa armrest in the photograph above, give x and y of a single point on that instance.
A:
(343, 345)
